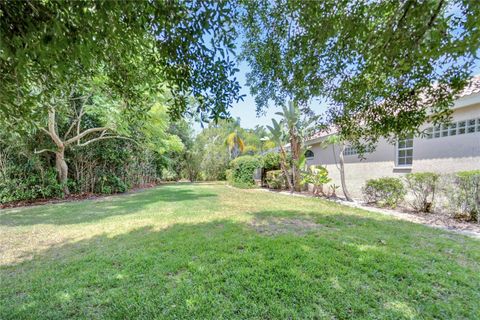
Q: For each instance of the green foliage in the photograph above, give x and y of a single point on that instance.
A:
(316, 175)
(275, 179)
(271, 161)
(370, 52)
(48, 46)
(111, 184)
(423, 186)
(212, 153)
(242, 170)
(26, 183)
(384, 191)
(229, 176)
(465, 194)
(249, 150)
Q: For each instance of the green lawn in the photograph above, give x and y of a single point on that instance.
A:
(208, 251)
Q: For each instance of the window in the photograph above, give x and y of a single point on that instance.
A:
(471, 126)
(349, 151)
(405, 152)
(309, 154)
(461, 127)
(453, 129)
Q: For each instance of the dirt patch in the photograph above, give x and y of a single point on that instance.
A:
(275, 226)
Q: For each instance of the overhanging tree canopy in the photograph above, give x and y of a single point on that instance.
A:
(46, 47)
(386, 66)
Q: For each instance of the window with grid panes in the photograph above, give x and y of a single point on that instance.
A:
(405, 152)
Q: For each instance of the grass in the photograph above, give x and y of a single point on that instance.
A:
(213, 252)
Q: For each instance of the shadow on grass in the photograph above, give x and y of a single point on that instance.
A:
(88, 211)
(225, 269)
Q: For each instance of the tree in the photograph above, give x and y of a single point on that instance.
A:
(73, 135)
(334, 140)
(295, 129)
(291, 121)
(386, 67)
(182, 46)
(279, 137)
(234, 144)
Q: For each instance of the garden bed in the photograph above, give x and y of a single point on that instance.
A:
(436, 220)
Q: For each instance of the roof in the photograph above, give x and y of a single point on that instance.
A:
(472, 87)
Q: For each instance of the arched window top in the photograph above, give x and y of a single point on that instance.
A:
(309, 154)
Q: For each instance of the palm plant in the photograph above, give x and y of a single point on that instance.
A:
(279, 137)
(234, 144)
(296, 128)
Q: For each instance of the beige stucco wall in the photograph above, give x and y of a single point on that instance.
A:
(443, 155)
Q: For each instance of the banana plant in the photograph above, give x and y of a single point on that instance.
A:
(317, 176)
(279, 137)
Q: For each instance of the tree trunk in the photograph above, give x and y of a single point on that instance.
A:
(62, 170)
(342, 174)
(283, 166)
(295, 147)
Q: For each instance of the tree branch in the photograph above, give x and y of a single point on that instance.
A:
(84, 133)
(42, 151)
(104, 138)
(52, 130)
(45, 131)
(76, 121)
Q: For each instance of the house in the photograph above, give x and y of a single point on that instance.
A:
(445, 149)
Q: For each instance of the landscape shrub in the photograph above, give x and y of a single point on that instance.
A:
(386, 191)
(423, 187)
(21, 186)
(317, 176)
(275, 179)
(229, 176)
(271, 161)
(242, 170)
(464, 196)
(111, 184)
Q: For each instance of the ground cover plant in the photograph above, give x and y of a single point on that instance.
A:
(209, 251)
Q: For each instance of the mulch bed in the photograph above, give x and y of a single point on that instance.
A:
(69, 198)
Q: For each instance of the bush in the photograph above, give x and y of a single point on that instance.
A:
(242, 170)
(111, 184)
(423, 186)
(318, 176)
(229, 176)
(271, 161)
(275, 179)
(384, 191)
(19, 186)
(465, 194)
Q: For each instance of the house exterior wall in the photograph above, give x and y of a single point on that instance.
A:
(443, 155)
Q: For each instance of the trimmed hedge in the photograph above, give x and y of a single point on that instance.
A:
(271, 161)
(465, 194)
(388, 192)
(242, 170)
(423, 187)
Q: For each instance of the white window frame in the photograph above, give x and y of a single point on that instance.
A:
(404, 146)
